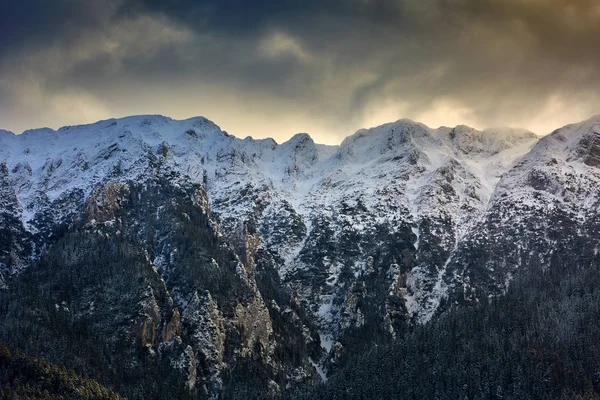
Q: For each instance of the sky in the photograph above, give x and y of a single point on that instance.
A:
(276, 68)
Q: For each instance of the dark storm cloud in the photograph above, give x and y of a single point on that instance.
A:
(328, 65)
(39, 22)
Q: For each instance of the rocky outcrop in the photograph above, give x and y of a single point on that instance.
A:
(103, 204)
(203, 317)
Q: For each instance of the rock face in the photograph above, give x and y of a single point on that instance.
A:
(247, 267)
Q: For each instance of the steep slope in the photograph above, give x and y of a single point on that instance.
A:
(392, 204)
(24, 376)
(543, 208)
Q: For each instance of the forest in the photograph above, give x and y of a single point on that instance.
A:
(26, 377)
(539, 341)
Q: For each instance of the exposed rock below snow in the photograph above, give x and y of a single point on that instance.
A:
(544, 208)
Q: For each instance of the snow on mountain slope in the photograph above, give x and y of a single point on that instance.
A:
(543, 210)
(362, 232)
(560, 165)
(412, 181)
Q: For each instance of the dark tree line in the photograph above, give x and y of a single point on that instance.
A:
(25, 377)
(539, 341)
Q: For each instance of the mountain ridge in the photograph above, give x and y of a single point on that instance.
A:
(338, 244)
(163, 118)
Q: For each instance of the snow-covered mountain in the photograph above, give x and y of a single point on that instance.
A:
(394, 224)
(544, 208)
(397, 173)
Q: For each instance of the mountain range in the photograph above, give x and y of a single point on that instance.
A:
(170, 258)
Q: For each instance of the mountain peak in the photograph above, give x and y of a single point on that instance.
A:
(142, 120)
(579, 141)
(300, 140)
(37, 131)
(468, 140)
(385, 137)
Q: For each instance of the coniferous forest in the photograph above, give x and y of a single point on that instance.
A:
(539, 341)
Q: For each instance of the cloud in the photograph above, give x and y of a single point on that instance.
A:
(279, 44)
(328, 67)
(39, 83)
